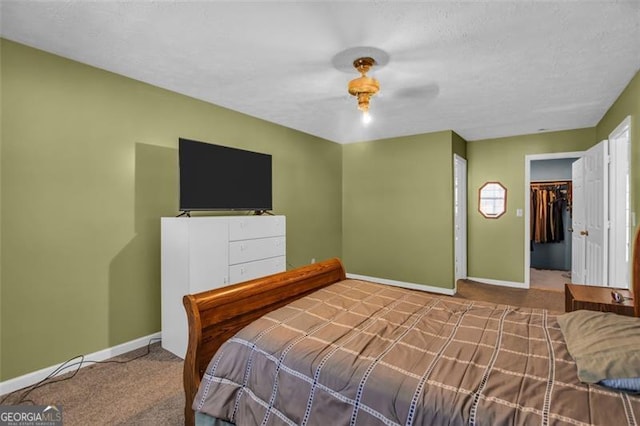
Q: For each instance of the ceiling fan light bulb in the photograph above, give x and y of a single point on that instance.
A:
(366, 117)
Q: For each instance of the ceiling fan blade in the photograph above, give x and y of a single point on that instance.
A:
(426, 92)
(321, 82)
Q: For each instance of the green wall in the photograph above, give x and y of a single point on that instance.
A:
(496, 246)
(398, 208)
(459, 145)
(628, 103)
(88, 167)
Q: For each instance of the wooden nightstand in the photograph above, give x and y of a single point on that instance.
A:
(596, 299)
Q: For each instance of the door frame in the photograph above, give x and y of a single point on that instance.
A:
(578, 225)
(460, 218)
(620, 231)
(527, 203)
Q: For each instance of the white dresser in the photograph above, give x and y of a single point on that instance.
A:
(202, 253)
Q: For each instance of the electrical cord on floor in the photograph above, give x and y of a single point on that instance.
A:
(66, 365)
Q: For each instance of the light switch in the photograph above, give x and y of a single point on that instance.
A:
(519, 212)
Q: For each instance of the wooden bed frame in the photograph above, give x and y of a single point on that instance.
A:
(216, 315)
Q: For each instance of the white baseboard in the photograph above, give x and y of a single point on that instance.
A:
(29, 379)
(498, 282)
(413, 286)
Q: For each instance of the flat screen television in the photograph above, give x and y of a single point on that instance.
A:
(215, 177)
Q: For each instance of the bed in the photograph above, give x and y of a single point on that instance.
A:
(310, 346)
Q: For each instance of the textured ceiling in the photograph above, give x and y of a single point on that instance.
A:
(483, 69)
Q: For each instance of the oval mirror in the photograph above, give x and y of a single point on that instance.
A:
(492, 201)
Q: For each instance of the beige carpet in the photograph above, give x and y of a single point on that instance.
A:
(552, 300)
(148, 390)
(549, 279)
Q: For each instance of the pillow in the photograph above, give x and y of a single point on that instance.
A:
(629, 385)
(603, 345)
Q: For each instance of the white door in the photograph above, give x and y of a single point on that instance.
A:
(460, 216)
(596, 181)
(578, 228)
(590, 223)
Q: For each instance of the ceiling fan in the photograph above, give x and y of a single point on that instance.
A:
(364, 87)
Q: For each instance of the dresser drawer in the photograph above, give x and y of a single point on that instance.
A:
(260, 268)
(250, 250)
(249, 227)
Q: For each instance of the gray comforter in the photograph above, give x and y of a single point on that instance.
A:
(363, 353)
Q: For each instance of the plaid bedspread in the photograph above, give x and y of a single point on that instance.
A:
(359, 353)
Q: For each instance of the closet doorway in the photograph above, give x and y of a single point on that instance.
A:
(548, 219)
(601, 241)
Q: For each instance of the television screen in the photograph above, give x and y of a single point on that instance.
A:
(215, 177)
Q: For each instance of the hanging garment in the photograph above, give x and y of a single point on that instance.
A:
(547, 207)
